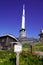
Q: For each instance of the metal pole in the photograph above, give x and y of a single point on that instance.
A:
(17, 58)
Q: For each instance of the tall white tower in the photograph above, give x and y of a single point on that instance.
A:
(23, 31)
(23, 18)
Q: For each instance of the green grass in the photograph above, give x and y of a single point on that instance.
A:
(26, 58)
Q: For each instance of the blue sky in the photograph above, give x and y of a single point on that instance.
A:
(11, 17)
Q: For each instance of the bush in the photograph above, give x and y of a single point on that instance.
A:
(29, 59)
(9, 58)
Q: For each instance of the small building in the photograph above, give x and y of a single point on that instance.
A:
(41, 36)
(5, 40)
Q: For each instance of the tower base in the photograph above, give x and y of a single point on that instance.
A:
(22, 33)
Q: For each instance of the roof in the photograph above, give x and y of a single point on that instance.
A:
(10, 35)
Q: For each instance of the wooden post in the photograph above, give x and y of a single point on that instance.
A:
(17, 58)
(31, 49)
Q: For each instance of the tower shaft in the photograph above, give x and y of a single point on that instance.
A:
(23, 31)
(23, 18)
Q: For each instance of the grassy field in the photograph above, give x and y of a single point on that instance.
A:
(8, 57)
(35, 47)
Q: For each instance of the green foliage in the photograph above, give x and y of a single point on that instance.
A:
(38, 46)
(25, 45)
(29, 59)
(9, 58)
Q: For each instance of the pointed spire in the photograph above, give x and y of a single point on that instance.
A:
(24, 9)
(23, 17)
